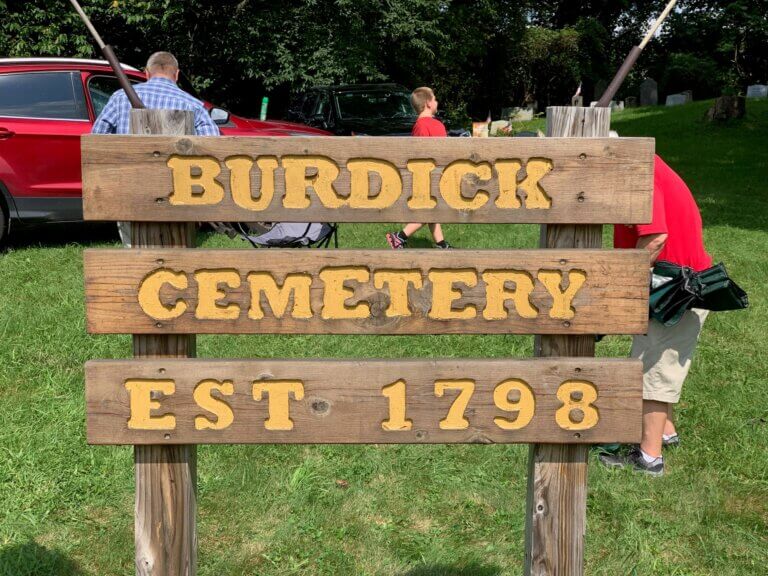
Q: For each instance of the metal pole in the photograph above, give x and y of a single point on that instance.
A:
(111, 57)
(631, 58)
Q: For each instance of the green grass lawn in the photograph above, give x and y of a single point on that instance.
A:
(67, 508)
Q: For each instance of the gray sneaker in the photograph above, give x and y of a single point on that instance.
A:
(671, 442)
(633, 459)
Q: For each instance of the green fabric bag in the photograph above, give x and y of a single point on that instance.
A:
(710, 289)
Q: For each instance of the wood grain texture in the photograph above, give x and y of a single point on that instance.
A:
(612, 300)
(598, 180)
(343, 402)
(165, 530)
(556, 506)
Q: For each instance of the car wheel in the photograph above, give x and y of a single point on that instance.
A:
(3, 224)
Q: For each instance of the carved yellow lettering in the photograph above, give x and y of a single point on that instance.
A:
(149, 294)
(422, 198)
(240, 181)
(444, 294)
(497, 293)
(140, 393)
(279, 392)
(203, 396)
(525, 405)
(209, 293)
(297, 181)
(535, 196)
(391, 183)
(561, 301)
(452, 178)
(397, 421)
(278, 297)
(336, 294)
(455, 419)
(577, 397)
(398, 281)
(507, 171)
(199, 189)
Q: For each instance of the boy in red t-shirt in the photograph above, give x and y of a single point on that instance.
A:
(674, 235)
(425, 104)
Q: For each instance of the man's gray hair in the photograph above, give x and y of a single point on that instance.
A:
(164, 60)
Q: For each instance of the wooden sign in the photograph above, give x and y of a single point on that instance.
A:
(167, 401)
(552, 180)
(366, 291)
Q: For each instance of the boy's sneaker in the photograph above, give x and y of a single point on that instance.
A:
(396, 242)
(671, 442)
(633, 459)
(444, 245)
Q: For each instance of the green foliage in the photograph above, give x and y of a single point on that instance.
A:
(711, 46)
(549, 61)
(479, 55)
(691, 72)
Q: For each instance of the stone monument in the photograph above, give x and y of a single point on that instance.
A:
(649, 92)
(757, 91)
(676, 99)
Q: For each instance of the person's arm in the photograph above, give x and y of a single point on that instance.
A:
(653, 236)
(654, 243)
(106, 123)
(204, 124)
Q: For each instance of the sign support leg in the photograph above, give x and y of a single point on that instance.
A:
(556, 505)
(166, 485)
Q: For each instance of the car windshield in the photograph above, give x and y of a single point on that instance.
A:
(371, 105)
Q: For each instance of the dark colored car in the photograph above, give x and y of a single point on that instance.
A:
(46, 104)
(359, 110)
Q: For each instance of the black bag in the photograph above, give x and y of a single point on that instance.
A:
(710, 289)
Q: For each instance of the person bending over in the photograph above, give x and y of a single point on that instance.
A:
(674, 235)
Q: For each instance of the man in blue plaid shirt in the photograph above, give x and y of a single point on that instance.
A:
(160, 91)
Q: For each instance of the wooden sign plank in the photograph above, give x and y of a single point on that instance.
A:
(368, 179)
(367, 291)
(166, 401)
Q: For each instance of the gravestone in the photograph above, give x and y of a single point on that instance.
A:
(649, 92)
(630, 102)
(676, 99)
(614, 105)
(757, 91)
(499, 127)
(688, 95)
(522, 114)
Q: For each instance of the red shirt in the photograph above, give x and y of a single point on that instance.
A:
(675, 214)
(427, 126)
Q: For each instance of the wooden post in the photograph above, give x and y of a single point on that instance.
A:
(166, 484)
(556, 506)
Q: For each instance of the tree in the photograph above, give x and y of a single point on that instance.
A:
(479, 55)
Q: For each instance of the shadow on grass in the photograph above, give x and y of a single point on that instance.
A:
(421, 242)
(444, 570)
(31, 559)
(61, 234)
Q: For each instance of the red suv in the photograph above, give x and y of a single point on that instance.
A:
(45, 105)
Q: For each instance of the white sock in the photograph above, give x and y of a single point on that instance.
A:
(650, 459)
